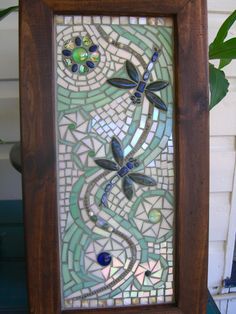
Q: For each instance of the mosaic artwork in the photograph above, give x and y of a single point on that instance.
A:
(114, 107)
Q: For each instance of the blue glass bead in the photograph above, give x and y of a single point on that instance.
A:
(150, 66)
(66, 52)
(74, 68)
(141, 86)
(78, 41)
(123, 171)
(104, 258)
(93, 48)
(146, 75)
(138, 95)
(90, 64)
(130, 165)
(101, 223)
(154, 56)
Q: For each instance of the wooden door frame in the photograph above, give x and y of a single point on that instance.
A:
(39, 147)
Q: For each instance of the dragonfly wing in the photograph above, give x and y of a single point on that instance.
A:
(142, 179)
(156, 86)
(155, 100)
(107, 164)
(128, 187)
(132, 71)
(117, 151)
(121, 83)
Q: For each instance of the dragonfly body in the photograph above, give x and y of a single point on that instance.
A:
(136, 98)
(123, 171)
(140, 83)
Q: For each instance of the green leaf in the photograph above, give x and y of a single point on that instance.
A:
(224, 62)
(223, 31)
(218, 85)
(7, 11)
(226, 50)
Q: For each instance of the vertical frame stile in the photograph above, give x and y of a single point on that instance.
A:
(39, 152)
(38, 155)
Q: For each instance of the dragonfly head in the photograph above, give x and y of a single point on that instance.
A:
(134, 162)
(136, 99)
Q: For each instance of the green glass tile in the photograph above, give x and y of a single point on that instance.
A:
(64, 252)
(78, 102)
(66, 274)
(96, 98)
(69, 285)
(79, 95)
(61, 106)
(75, 277)
(62, 91)
(63, 99)
(76, 240)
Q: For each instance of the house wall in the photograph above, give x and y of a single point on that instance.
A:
(222, 164)
(222, 141)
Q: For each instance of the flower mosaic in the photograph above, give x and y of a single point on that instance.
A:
(115, 151)
(80, 55)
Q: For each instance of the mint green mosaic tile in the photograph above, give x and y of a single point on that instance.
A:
(104, 199)
(62, 91)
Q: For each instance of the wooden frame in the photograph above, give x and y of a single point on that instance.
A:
(38, 146)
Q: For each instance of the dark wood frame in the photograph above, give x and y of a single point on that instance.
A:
(39, 153)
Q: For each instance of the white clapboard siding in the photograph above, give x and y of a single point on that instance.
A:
(9, 108)
(222, 168)
(215, 265)
(221, 6)
(222, 171)
(10, 179)
(226, 306)
(219, 216)
(9, 54)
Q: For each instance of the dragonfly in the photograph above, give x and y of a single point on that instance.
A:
(140, 83)
(123, 171)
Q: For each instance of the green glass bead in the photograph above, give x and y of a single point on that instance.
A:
(94, 218)
(69, 45)
(91, 153)
(72, 126)
(154, 216)
(80, 55)
(87, 41)
(83, 69)
(95, 56)
(67, 62)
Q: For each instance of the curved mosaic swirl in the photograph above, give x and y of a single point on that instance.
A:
(136, 233)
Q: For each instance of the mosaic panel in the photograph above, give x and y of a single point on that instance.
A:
(114, 106)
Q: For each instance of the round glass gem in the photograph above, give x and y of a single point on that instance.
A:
(67, 62)
(79, 55)
(83, 69)
(72, 126)
(148, 273)
(95, 56)
(66, 52)
(87, 41)
(104, 258)
(69, 44)
(90, 64)
(154, 216)
(92, 153)
(78, 41)
(74, 67)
